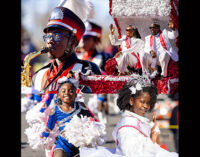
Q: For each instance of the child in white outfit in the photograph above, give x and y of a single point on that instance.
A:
(135, 135)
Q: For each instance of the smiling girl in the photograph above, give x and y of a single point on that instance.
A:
(134, 135)
(62, 113)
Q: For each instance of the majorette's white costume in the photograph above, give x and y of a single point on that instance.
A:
(132, 137)
(161, 45)
(130, 55)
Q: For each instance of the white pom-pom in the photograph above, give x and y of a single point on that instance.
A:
(35, 139)
(34, 115)
(90, 133)
(26, 104)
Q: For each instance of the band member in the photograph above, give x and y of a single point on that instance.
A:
(62, 34)
(91, 39)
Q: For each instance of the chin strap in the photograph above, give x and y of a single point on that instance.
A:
(69, 43)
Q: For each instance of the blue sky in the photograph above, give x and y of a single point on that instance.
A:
(32, 8)
(35, 15)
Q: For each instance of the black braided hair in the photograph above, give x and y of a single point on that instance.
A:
(124, 95)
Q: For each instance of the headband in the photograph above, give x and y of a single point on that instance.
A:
(73, 81)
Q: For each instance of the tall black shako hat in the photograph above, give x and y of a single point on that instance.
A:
(70, 15)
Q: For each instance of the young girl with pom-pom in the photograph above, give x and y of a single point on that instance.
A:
(62, 113)
(135, 135)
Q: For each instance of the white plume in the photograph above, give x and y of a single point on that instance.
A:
(84, 9)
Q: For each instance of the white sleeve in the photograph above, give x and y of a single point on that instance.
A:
(131, 141)
(147, 48)
(137, 47)
(172, 34)
(165, 153)
(115, 41)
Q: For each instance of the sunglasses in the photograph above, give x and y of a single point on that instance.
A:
(56, 37)
(129, 30)
(155, 27)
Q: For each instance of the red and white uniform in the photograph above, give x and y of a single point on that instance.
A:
(97, 58)
(42, 75)
(72, 64)
(161, 45)
(131, 50)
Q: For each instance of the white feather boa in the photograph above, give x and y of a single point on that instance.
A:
(37, 124)
(84, 131)
(26, 104)
(35, 139)
(35, 116)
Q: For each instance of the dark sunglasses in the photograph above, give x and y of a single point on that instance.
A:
(55, 37)
(155, 27)
(128, 30)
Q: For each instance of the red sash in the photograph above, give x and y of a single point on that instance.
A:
(53, 73)
(161, 41)
(138, 64)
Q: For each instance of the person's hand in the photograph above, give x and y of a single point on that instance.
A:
(117, 54)
(153, 53)
(112, 29)
(154, 135)
(171, 25)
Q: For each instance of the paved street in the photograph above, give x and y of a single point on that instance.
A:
(26, 151)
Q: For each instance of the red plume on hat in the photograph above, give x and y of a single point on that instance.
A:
(70, 15)
(92, 29)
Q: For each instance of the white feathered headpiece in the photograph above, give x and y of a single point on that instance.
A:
(84, 9)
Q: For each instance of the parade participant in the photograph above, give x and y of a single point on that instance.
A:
(174, 120)
(132, 47)
(62, 113)
(135, 135)
(158, 49)
(62, 34)
(103, 108)
(91, 39)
